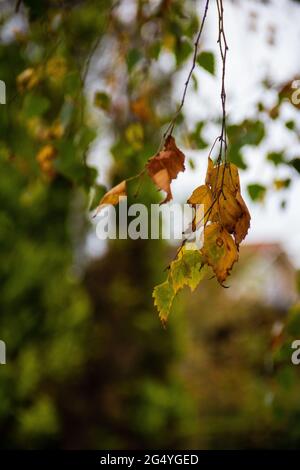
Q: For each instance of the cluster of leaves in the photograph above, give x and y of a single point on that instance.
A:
(226, 222)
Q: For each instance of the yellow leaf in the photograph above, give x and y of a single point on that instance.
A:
(233, 214)
(56, 68)
(243, 223)
(45, 159)
(113, 196)
(210, 167)
(219, 250)
(135, 135)
(229, 209)
(28, 79)
(225, 174)
(202, 195)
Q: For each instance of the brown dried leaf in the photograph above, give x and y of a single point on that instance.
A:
(165, 166)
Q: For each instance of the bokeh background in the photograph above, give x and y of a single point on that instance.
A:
(90, 87)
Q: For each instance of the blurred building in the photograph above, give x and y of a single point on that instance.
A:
(265, 274)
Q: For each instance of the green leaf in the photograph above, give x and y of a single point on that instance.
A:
(196, 136)
(98, 193)
(290, 125)
(154, 50)
(246, 133)
(295, 163)
(133, 57)
(187, 270)
(102, 100)
(206, 60)
(35, 105)
(276, 157)
(163, 295)
(235, 156)
(72, 83)
(256, 191)
(183, 51)
(69, 164)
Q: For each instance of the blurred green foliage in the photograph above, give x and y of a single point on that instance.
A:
(88, 364)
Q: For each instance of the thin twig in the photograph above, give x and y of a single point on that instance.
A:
(186, 84)
(223, 47)
(18, 4)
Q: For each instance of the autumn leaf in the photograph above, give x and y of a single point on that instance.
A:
(243, 223)
(201, 195)
(229, 209)
(165, 166)
(113, 196)
(45, 158)
(141, 108)
(28, 79)
(225, 174)
(56, 69)
(163, 295)
(233, 214)
(219, 250)
(187, 269)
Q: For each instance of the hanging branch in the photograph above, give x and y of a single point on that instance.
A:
(170, 128)
(223, 47)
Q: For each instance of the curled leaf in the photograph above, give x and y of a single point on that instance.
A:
(230, 209)
(113, 196)
(210, 167)
(219, 250)
(233, 214)
(243, 223)
(201, 195)
(165, 166)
